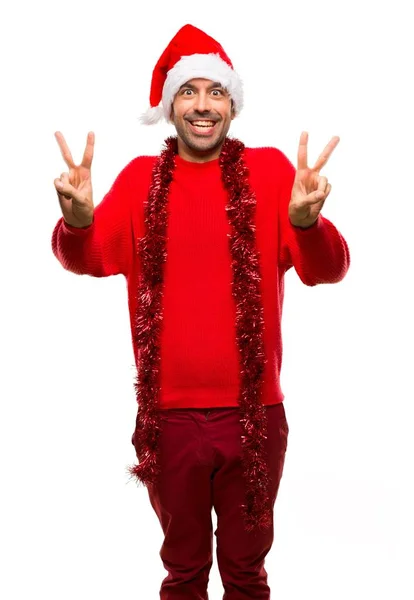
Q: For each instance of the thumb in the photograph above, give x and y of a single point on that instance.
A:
(60, 188)
(315, 197)
(64, 188)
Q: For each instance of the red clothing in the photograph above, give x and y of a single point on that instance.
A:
(199, 355)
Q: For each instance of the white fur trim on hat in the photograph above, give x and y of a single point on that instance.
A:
(206, 66)
(153, 115)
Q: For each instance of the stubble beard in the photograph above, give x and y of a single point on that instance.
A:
(201, 145)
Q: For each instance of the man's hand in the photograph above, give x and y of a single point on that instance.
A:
(309, 190)
(74, 189)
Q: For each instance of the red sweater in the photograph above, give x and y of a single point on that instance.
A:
(199, 354)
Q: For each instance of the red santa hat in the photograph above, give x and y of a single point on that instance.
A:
(190, 54)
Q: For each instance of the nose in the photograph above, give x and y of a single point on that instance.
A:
(202, 102)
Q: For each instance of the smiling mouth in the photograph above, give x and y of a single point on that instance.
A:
(203, 127)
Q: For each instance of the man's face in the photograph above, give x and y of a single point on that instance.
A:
(201, 112)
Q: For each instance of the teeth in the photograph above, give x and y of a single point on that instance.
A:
(203, 123)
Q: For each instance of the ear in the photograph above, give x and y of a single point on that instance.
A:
(233, 110)
(172, 109)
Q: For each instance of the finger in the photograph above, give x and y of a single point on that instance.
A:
(59, 186)
(88, 154)
(303, 151)
(66, 154)
(64, 178)
(322, 184)
(64, 188)
(315, 197)
(319, 195)
(61, 181)
(328, 190)
(326, 153)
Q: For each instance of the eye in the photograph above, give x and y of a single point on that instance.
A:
(187, 92)
(217, 92)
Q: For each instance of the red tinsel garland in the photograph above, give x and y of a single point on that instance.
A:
(257, 511)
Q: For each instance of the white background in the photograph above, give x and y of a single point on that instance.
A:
(72, 524)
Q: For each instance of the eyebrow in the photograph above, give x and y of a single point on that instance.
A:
(215, 84)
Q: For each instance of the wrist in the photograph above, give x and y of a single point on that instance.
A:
(78, 226)
(77, 230)
(304, 225)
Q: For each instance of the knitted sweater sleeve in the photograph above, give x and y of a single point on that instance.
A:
(319, 254)
(105, 247)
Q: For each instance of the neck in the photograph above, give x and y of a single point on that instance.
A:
(198, 156)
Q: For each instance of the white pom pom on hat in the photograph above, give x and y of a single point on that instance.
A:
(190, 54)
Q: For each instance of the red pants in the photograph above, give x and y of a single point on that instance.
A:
(200, 451)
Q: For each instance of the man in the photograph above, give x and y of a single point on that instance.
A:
(204, 234)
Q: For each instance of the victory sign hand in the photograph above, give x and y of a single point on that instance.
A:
(310, 190)
(74, 189)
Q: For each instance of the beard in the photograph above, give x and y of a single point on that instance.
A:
(201, 144)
